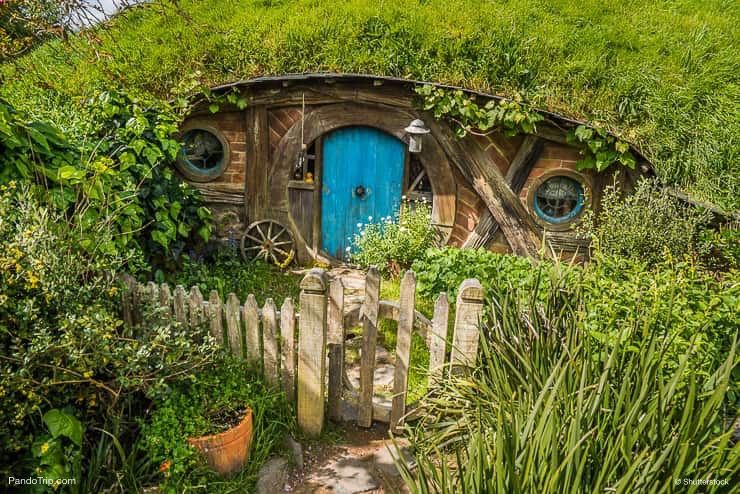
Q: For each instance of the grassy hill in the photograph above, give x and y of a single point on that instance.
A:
(665, 75)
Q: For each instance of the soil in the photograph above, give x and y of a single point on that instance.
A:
(358, 443)
(224, 419)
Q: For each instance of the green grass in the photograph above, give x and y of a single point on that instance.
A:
(229, 273)
(665, 73)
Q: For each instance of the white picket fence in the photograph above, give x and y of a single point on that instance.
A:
(305, 353)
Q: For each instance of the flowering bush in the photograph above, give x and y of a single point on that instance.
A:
(62, 344)
(393, 244)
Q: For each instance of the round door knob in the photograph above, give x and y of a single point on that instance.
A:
(360, 191)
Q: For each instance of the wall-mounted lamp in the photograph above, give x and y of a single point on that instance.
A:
(416, 130)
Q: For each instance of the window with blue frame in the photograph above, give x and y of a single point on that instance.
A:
(559, 199)
(203, 156)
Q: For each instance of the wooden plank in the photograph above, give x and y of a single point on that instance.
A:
(165, 301)
(287, 348)
(438, 341)
(152, 294)
(506, 208)
(312, 353)
(233, 325)
(215, 316)
(369, 341)
(195, 307)
(270, 342)
(516, 176)
(403, 350)
(336, 348)
(179, 305)
(252, 324)
(127, 298)
(468, 312)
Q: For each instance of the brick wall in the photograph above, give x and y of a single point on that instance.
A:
(553, 156)
(231, 125)
(469, 207)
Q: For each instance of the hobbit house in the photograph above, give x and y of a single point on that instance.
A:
(311, 157)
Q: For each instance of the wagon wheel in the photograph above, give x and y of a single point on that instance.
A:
(269, 240)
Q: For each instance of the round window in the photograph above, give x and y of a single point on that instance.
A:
(203, 156)
(558, 199)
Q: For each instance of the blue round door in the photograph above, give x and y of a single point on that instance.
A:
(362, 182)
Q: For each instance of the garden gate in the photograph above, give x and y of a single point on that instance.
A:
(304, 352)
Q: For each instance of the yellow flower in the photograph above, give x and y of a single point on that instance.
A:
(33, 280)
(44, 448)
(113, 290)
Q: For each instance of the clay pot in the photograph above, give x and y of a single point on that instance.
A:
(228, 451)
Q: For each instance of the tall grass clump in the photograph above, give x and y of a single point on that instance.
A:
(550, 409)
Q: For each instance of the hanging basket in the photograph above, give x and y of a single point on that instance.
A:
(227, 452)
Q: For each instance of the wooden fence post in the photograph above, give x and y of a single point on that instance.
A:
(403, 349)
(469, 309)
(128, 298)
(270, 343)
(335, 341)
(287, 347)
(252, 323)
(438, 338)
(215, 316)
(312, 353)
(233, 325)
(165, 301)
(195, 307)
(369, 340)
(179, 305)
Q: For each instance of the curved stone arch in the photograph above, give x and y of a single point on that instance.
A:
(327, 118)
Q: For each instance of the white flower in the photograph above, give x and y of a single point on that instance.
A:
(403, 198)
(369, 218)
(347, 249)
(359, 225)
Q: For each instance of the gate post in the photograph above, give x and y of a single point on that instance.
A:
(469, 309)
(312, 352)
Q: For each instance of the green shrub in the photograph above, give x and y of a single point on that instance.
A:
(62, 343)
(392, 244)
(648, 224)
(550, 409)
(189, 411)
(443, 269)
(114, 165)
(227, 272)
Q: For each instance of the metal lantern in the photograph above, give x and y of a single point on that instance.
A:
(416, 130)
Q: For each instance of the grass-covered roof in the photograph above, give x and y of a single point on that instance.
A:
(664, 75)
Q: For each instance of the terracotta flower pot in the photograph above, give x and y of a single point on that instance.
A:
(228, 451)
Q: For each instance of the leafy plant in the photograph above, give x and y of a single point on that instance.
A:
(443, 269)
(392, 244)
(548, 408)
(189, 409)
(512, 117)
(62, 342)
(599, 149)
(647, 225)
(57, 454)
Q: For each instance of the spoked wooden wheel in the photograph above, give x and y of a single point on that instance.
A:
(269, 240)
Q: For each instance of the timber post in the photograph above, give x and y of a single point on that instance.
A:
(468, 314)
(312, 352)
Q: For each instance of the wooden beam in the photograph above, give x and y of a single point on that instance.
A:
(525, 158)
(505, 207)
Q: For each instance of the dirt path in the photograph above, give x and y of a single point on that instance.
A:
(360, 463)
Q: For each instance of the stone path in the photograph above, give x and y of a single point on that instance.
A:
(361, 463)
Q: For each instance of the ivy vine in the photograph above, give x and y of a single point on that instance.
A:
(507, 116)
(599, 149)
